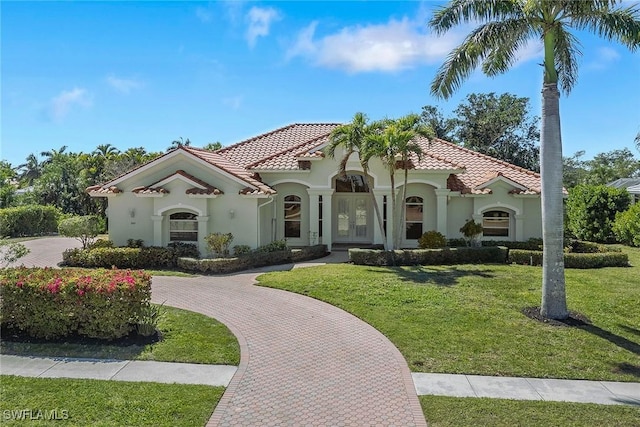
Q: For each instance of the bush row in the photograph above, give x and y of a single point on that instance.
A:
(444, 256)
(105, 257)
(29, 220)
(51, 303)
(266, 255)
(572, 260)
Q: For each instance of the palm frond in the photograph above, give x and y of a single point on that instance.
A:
(507, 38)
(464, 11)
(567, 49)
(621, 25)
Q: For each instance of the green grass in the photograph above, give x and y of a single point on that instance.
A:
(108, 403)
(467, 318)
(187, 337)
(473, 412)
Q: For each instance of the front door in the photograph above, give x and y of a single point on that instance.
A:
(352, 223)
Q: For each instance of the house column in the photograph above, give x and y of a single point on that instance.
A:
(327, 229)
(314, 216)
(442, 198)
(157, 229)
(519, 234)
(378, 235)
(203, 222)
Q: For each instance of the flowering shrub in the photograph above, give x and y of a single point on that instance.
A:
(51, 303)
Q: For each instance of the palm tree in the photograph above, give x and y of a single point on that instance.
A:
(354, 137)
(106, 150)
(637, 141)
(506, 26)
(50, 155)
(413, 125)
(31, 170)
(177, 143)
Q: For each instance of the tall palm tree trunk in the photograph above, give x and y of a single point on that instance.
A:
(394, 209)
(376, 208)
(554, 302)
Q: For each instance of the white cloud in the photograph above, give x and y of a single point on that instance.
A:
(603, 58)
(260, 20)
(395, 45)
(61, 105)
(203, 14)
(123, 85)
(532, 50)
(233, 102)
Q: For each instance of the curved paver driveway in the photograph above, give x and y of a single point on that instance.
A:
(303, 362)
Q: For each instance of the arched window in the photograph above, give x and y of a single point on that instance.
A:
(495, 223)
(292, 216)
(413, 217)
(351, 184)
(183, 227)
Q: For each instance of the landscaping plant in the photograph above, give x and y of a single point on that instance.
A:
(83, 228)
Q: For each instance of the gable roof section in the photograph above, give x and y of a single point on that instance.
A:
(217, 160)
(478, 167)
(288, 159)
(199, 186)
(624, 183)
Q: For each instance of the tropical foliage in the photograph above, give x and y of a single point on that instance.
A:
(505, 27)
(591, 211)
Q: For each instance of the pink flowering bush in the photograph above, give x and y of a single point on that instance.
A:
(53, 303)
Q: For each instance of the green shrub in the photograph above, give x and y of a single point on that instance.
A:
(184, 249)
(215, 266)
(28, 220)
(456, 243)
(147, 257)
(148, 318)
(471, 230)
(432, 239)
(241, 250)
(591, 211)
(135, 243)
(308, 252)
(580, 247)
(533, 244)
(444, 256)
(51, 303)
(101, 243)
(219, 243)
(572, 260)
(82, 228)
(627, 226)
(276, 245)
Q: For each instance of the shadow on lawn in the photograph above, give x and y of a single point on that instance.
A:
(621, 342)
(447, 276)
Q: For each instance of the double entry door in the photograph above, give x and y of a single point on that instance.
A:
(353, 218)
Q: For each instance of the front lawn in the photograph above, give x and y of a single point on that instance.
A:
(105, 403)
(468, 319)
(471, 412)
(187, 337)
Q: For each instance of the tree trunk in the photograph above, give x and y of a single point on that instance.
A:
(394, 209)
(403, 204)
(376, 208)
(554, 300)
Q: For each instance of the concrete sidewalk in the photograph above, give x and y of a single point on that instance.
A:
(118, 370)
(580, 391)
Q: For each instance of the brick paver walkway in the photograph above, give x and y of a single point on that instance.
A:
(303, 362)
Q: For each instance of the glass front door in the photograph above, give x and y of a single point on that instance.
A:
(352, 219)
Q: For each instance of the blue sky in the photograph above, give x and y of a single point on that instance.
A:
(145, 73)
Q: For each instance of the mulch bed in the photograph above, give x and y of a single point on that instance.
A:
(12, 335)
(575, 319)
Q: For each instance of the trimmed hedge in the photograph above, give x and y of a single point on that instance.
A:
(50, 303)
(29, 220)
(572, 260)
(145, 257)
(257, 258)
(444, 256)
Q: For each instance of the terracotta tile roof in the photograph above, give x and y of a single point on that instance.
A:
(263, 146)
(208, 189)
(478, 167)
(231, 168)
(98, 189)
(288, 159)
(150, 190)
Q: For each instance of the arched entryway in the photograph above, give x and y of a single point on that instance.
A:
(352, 209)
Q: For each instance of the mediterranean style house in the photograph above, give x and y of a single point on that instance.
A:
(280, 185)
